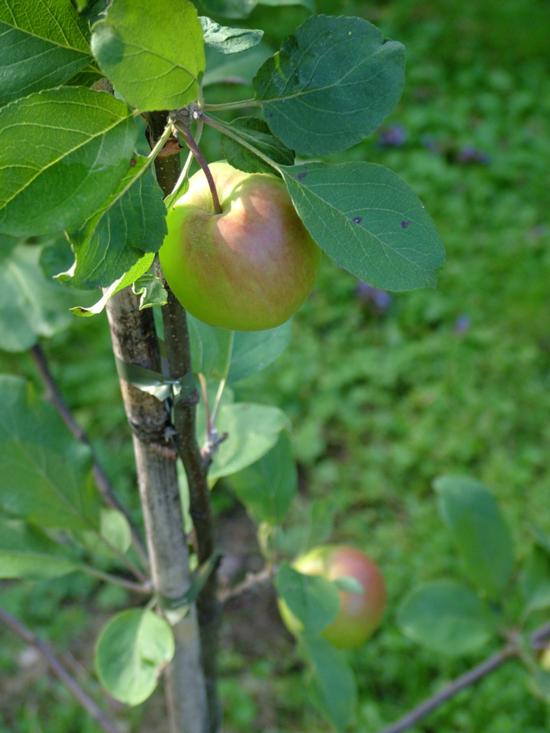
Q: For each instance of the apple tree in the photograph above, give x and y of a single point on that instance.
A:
(103, 110)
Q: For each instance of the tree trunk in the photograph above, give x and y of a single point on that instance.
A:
(135, 342)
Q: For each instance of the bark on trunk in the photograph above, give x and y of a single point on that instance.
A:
(135, 342)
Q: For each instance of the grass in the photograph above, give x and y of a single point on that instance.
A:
(449, 380)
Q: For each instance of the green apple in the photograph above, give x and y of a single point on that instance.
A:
(249, 267)
(361, 608)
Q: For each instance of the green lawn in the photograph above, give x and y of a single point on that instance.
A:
(452, 380)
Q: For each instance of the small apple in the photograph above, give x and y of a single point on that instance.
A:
(545, 659)
(361, 609)
(248, 268)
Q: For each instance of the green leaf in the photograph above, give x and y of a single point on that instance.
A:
(115, 528)
(539, 682)
(218, 353)
(331, 84)
(239, 67)
(155, 383)
(228, 40)
(152, 52)
(255, 131)
(253, 351)
(56, 256)
(26, 552)
(31, 305)
(308, 4)
(151, 291)
(349, 584)
(62, 151)
(535, 580)
(335, 682)
(312, 599)
(88, 76)
(268, 487)
(131, 222)
(243, 8)
(198, 581)
(44, 472)
(312, 525)
(368, 221)
(7, 245)
(133, 274)
(131, 652)
(211, 348)
(445, 617)
(479, 531)
(542, 539)
(44, 43)
(229, 8)
(252, 431)
(91, 9)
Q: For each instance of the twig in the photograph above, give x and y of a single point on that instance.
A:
(252, 583)
(104, 485)
(122, 557)
(460, 683)
(145, 588)
(210, 447)
(108, 725)
(540, 634)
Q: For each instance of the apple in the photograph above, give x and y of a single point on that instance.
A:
(545, 659)
(360, 612)
(247, 268)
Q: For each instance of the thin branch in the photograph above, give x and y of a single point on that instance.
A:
(469, 678)
(252, 583)
(540, 634)
(124, 559)
(108, 725)
(145, 588)
(460, 683)
(212, 439)
(104, 485)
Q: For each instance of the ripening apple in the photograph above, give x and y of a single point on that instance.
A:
(247, 268)
(545, 659)
(360, 612)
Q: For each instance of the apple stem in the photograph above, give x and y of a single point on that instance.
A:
(172, 196)
(201, 160)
